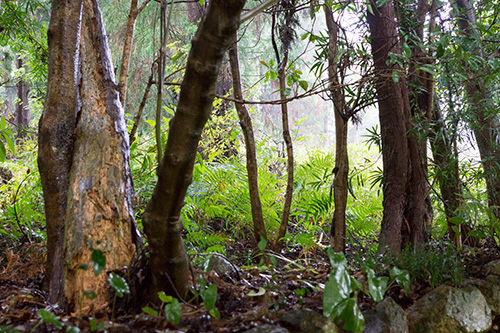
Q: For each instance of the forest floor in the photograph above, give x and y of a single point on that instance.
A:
(259, 295)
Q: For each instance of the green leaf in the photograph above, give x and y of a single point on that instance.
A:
(3, 152)
(380, 3)
(209, 296)
(332, 298)
(150, 311)
(402, 277)
(201, 2)
(440, 51)
(262, 244)
(304, 85)
(3, 123)
(72, 329)
(93, 325)
(98, 261)
(50, 318)
(395, 76)
(173, 311)
(353, 318)
(9, 141)
(214, 313)
(336, 259)
(90, 294)
(457, 220)
(164, 298)
(377, 286)
(118, 284)
(370, 9)
(260, 292)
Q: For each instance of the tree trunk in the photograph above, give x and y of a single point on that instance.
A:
(162, 221)
(246, 127)
(23, 114)
(100, 195)
(404, 181)
(56, 130)
(340, 185)
(484, 122)
(289, 154)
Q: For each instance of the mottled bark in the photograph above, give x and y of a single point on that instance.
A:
(100, 194)
(56, 129)
(162, 220)
(404, 180)
(251, 153)
(340, 186)
(23, 114)
(485, 121)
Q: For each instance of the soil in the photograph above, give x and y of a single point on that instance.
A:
(294, 281)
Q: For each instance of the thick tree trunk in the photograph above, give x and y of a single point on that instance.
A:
(340, 186)
(56, 130)
(404, 180)
(162, 220)
(484, 116)
(247, 128)
(100, 195)
(23, 114)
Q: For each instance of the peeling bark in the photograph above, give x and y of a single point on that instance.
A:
(162, 221)
(56, 129)
(247, 128)
(100, 194)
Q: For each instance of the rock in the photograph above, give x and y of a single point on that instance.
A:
(267, 329)
(490, 288)
(307, 321)
(447, 309)
(493, 267)
(223, 268)
(386, 317)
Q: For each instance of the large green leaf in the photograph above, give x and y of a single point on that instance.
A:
(50, 318)
(98, 261)
(173, 311)
(118, 284)
(209, 296)
(353, 318)
(377, 286)
(402, 277)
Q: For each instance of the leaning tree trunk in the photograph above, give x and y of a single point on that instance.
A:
(247, 128)
(56, 129)
(484, 121)
(403, 176)
(162, 221)
(340, 186)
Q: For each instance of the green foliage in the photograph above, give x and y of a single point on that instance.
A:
(50, 318)
(338, 304)
(209, 296)
(169, 305)
(434, 263)
(118, 284)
